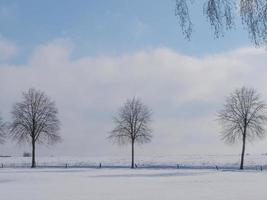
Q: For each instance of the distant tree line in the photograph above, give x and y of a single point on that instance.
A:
(35, 121)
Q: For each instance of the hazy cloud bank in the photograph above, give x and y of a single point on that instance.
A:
(184, 93)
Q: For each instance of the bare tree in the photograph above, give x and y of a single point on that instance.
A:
(35, 120)
(243, 118)
(2, 131)
(132, 125)
(222, 15)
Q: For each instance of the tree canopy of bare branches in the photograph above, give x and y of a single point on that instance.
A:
(35, 120)
(132, 124)
(2, 131)
(222, 15)
(243, 118)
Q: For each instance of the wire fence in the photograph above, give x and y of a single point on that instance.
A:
(137, 166)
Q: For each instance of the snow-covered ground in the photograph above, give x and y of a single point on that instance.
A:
(125, 184)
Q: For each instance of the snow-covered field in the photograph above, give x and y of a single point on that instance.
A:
(124, 184)
(155, 178)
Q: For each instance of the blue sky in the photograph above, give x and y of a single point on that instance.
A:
(109, 27)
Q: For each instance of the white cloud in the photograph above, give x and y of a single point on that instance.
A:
(184, 93)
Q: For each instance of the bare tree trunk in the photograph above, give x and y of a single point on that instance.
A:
(243, 151)
(33, 154)
(132, 154)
